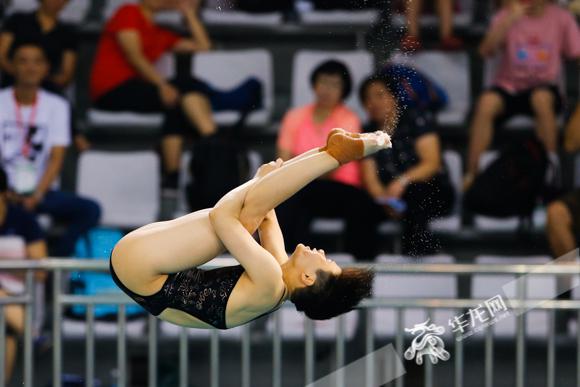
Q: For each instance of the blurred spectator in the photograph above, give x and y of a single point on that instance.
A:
(35, 131)
(572, 132)
(60, 41)
(124, 77)
(531, 39)
(16, 221)
(412, 41)
(14, 315)
(339, 194)
(563, 225)
(575, 7)
(409, 180)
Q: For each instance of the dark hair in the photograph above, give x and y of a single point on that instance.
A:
(333, 67)
(332, 295)
(28, 43)
(3, 181)
(387, 82)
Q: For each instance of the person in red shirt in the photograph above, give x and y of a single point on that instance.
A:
(124, 78)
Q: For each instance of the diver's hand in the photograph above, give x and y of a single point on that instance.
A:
(269, 167)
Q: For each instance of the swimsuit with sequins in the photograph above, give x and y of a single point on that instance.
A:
(201, 293)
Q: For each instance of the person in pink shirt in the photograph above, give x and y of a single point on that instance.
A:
(531, 37)
(339, 194)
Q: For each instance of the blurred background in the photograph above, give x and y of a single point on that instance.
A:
(115, 114)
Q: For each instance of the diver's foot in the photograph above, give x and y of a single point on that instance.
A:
(337, 131)
(345, 148)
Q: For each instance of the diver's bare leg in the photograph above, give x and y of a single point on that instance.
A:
(282, 183)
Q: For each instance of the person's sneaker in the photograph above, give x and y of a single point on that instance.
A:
(410, 43)
(451, 43)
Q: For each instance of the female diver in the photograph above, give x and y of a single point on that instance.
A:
(156, 265)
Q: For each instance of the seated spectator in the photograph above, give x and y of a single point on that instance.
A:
(59, 40)
(410, 179)
(124, 77)
(411, 41)
(336, 195)
(16, 221)
(14, 315)
(35, 131)
(563, 223)
(572, 133)
(531, 40)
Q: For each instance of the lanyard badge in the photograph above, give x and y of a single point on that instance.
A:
(26, 172)
(28, 129)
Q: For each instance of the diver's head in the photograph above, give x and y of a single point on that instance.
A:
(322, 289)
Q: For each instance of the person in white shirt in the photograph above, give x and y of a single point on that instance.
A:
(34, 134)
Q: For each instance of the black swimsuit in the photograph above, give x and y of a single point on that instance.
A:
(201, 293)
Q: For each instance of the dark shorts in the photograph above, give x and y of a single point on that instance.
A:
(140, 96)
(520, 103)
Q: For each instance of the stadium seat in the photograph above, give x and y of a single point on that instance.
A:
(292, 322)
(234, 18)
(412, 286)
(131, 120)
(77, 329)
(216, 67)
(451, 223)
(490, 224)
(365, 17)
(461, 19)
(75, 11)
(449, 70)
(484, 286)
(125, 184)
(360, 64)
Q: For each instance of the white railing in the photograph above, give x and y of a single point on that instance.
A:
(61, 299)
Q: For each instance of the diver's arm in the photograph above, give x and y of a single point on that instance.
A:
(271, 237)
(262, 268)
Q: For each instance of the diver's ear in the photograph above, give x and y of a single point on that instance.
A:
(306, 279)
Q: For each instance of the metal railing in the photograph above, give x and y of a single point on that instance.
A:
(61, 299)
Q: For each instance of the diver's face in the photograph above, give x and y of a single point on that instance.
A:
(379, 102)
(309, 261)
(328, 90)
